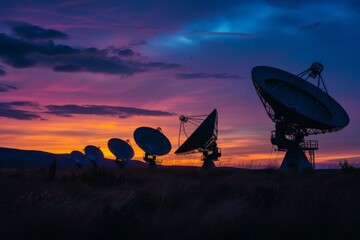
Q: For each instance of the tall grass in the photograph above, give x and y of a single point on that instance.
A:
(179, 204)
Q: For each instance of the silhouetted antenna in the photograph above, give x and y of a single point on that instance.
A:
(121, 150)
(203, 139)
(94, 154)
(153, 142)
(194, 120)
(78, 158)
(315, 72)
(298, 109)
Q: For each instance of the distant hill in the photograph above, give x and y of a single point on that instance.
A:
(17, 158)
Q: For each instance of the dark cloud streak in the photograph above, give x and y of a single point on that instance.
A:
(100, 63)
(121, 112)
(67, 68)
(30, 32)
(206, 75)
(10, 110)
(20, 53)
(17, 52)
(25, 110)
(6, 87)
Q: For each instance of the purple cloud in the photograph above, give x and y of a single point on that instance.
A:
(122, 112)
(6, 87)
(67, 68)
(25, 110)
(20, 53)
(11, 110)
(206, 75)
(33, 32)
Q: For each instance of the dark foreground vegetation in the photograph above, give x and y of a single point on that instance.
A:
(179, 204)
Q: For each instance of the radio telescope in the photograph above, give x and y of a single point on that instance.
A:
(153, 142)
(203, 139)
(78, 158)
(94, 154)
(298, 108)
(121, 150)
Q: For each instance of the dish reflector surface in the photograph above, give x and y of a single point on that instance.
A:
(78, 157)
(202, 137)
(297, 101)
(120, 148)
(94, 154)
(152, 141)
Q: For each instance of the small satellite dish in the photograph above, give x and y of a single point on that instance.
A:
(298, 108)
(121, 150)
(203, 139)
(153, 142)
(78, 158)
(94, 154)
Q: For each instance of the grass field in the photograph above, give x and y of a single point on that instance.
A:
(175, 203)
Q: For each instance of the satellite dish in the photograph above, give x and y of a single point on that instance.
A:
(203, 139)
(121, 150)
(78, 158)
(298, 108)
(153, 142)
(94, 154)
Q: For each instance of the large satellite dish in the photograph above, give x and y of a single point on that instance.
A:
(203, 139)
(78, 158)
(153, 142)
(94, 154)
(121, 150)
(298, 108)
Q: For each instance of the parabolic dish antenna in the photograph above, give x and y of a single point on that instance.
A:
(153, 142)
(121, 150)
(94, 154)
(298, 108)
(203, 139)
(78, 158)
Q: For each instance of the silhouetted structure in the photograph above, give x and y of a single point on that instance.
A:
(78, 158)
(298, 109)
(94, 155)
(203, 139)
(153, 142)
(121, 150)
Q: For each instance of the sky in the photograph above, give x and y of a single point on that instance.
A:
(74, 73)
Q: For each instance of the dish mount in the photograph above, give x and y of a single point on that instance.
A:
(94, 154)
(203, 139)
(153, 142)
(122, 150)
(298, 108)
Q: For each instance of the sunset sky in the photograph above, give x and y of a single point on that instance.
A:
(80, 72)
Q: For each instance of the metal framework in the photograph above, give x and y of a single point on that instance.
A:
(292, 134)
(307, 146)
(194, 120)
(314, 72)
(202, 140)
(293, 128)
